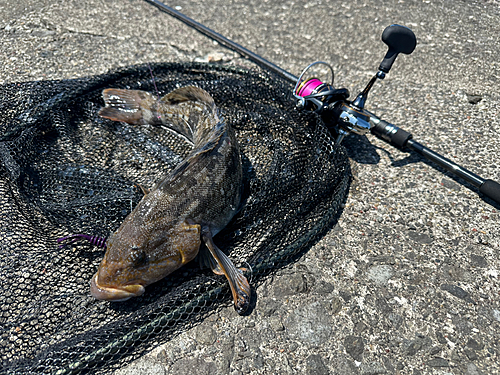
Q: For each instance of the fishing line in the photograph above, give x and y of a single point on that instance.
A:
(154, 82)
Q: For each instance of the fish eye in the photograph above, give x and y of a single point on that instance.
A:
(138, 257)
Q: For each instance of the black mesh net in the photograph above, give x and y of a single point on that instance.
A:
(65, 170)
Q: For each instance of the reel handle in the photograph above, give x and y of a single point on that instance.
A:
(399, 39)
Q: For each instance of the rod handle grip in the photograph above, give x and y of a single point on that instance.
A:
(491, 189)
(391, 134)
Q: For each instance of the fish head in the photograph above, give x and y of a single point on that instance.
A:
(132, 262)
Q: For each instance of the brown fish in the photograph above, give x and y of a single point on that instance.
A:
(190, 205)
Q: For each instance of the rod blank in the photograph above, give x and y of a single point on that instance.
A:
(224, 41)
(447, 164)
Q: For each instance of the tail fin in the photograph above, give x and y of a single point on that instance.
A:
(125, 105)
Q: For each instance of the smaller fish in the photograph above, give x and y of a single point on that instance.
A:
(188, 206)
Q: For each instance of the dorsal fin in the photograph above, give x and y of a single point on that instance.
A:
(188, 93)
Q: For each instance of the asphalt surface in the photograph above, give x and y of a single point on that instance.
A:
(408, 281)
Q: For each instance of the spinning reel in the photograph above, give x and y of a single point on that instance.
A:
(342, 116)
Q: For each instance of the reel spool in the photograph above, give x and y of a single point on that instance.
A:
(313, 94)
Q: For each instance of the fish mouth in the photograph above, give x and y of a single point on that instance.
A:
(111, 293)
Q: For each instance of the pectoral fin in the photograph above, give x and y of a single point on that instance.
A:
(207, 260)
(237, 281)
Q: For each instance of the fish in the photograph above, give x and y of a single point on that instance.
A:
(184, 209)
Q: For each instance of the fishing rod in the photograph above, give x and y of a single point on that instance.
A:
(341, 115)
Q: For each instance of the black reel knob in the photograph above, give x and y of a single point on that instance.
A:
(399, 39)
